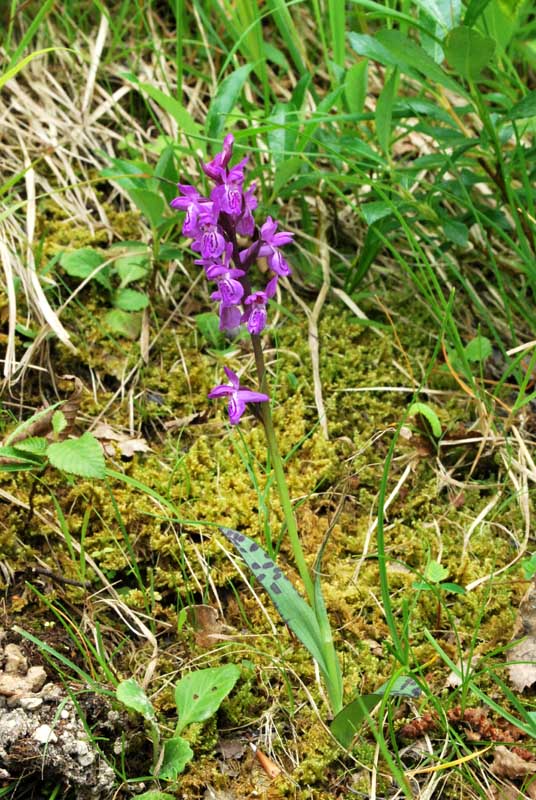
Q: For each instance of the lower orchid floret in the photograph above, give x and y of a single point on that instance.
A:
(238, 397)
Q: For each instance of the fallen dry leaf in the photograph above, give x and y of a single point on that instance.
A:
(115, 443)
(507, 764)
(522, 676)
(208, 625)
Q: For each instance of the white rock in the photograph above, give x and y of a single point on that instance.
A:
(30, 703)
(44, 735)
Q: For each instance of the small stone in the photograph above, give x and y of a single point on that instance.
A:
(15, 661)
(64, 714)
(36, 678)
(44, 735)
(30, 703)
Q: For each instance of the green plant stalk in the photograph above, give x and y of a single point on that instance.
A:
(333, 679)
(279, 474)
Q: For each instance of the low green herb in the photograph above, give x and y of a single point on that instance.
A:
(198, 696)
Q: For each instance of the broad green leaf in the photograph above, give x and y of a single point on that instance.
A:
(456, 232)
(478, 349)
(468, 51)
(356, 86)
(82, 456)
(225, 100)
(132, 696)
(131, 174)
(445, 13)
(525, 109)
(392, 49)
(59, 423)
(19, 459)
(208, 325)
(29, 423)
(199, 694)
(166, 170)
(34, 445)
(292, 608)
(435, 572)
(132, 268)
(455, 588)
(427, 412)
(474, 10)
(82, 263)
(348, 722)
(282, 136)
(375, 210)
(154, 794)
(406, 51)
(149, 203)
(124, 323)
(130, 300)
(173, 107)
(384, 112)
(177, 753)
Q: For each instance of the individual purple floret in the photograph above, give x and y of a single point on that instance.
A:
(228, 194)
(193, 204)
(255, 313)
(214, 167)
(209, 240)
(238, 397)
(270, 244)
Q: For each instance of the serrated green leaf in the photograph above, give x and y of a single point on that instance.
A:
(225, 100)
(82, 456)
(132, 696)
(177, 753)
(130, 300)
(199, 694)
(293, 609)
(34, 445)
(21, 460)
(468, 51)
(429, 414)
(81, 263)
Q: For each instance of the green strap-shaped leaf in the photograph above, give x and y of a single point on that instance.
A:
(347, 722)
(293, 609)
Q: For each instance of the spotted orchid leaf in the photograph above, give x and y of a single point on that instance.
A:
(292, 608)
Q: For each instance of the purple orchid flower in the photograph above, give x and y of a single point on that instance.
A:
(209, 240)
(246, 224)
(238, 397)
(227, 195)
(230, 317)
(214, 168)
(255, 313)
(193, 204)
(270, 244)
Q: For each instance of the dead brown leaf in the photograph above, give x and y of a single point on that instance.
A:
(208, 625)
(115, 443)
(523, 675)
(507, 764)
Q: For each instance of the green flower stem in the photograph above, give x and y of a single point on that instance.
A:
(333, 678)
(279, 473)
